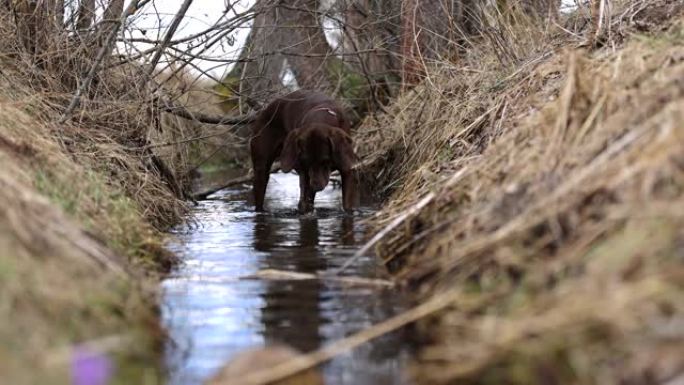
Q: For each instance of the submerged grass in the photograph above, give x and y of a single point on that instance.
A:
(561, 239)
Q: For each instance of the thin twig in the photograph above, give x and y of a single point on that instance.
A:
(179, 142)
(181, 111)
(106, 47)
(169, 35)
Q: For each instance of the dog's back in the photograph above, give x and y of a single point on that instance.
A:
(297, 108)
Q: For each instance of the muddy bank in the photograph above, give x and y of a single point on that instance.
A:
(541, 203)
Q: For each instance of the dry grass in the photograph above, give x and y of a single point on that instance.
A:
(81, 209)
(119, 128)
(60, 284)
(111, 135)
(562, 238)
(447, 116)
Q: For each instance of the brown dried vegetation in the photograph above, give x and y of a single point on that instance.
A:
(555, 226)
(81, 209)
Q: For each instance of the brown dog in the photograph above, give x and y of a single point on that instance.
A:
(310, 134)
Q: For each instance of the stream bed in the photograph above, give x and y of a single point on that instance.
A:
(211, 311)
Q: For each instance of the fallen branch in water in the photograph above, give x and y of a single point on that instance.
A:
(281, 275)
(232, 182)
(248, 178)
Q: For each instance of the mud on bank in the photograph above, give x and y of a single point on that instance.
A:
(549, 197)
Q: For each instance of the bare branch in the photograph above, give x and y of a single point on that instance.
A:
(169, 34)
(106, 47)
(201, 117)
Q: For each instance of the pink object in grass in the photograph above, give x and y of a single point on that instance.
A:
(90, 367)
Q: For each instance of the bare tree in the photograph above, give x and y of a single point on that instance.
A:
(285, 35)
(112, 12)
(370, 38)
(306, 48)
(30, 17)
(261, 72)
(381, 43)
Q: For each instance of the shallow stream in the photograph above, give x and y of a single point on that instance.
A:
(212, 310)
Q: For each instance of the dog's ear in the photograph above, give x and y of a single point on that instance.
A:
(342, 149)
(288, 157)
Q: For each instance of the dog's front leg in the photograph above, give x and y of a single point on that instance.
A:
(348, 190)
(306, 194)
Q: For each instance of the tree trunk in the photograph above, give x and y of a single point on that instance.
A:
(260, 74)
(113, 11)
(284, 35)
(370, 40)
(542, 9)
(34, 30)
(307, 50)
(86, 14)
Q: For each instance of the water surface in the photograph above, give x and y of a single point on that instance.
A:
(212, 312)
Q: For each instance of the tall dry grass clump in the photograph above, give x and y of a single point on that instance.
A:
(551, 195)
(446, 116)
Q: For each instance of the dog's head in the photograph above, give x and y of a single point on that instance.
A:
(317, 149)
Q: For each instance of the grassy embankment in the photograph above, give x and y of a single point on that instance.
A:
(551, 175)
(82, 210)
